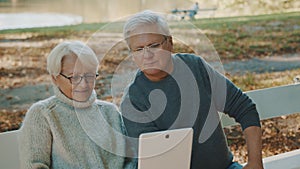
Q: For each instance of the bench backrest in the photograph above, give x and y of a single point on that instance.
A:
(288, 160)
(9, 150)
(272, 102)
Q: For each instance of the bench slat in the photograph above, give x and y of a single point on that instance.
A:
(9, 150)
(288, 160)
(272, 102)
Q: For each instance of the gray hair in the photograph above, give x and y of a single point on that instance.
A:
(146, 18)
(84, 53)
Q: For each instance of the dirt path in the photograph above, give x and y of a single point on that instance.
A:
(263, 65)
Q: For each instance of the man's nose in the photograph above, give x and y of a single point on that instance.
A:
(148, 53)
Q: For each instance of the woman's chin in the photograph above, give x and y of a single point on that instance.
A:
(81, 97)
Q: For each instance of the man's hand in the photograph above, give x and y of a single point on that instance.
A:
(253, 166)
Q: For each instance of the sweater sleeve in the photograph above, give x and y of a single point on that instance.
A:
(231, 100)
(113, 115)
(129, 163)
(35, 140)
(241, 107)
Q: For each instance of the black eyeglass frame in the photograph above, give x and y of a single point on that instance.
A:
(152, 46)
(81, 77)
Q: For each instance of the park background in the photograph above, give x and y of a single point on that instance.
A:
(257, 41)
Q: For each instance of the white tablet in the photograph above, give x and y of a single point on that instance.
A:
(170, 149)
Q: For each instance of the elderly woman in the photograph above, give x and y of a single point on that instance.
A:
(72, 129)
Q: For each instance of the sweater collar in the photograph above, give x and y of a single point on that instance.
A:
(74, 103)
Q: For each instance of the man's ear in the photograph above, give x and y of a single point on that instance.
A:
(170, 40)
(170, 43)
(133, 58)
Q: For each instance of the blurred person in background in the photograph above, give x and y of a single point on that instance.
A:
(194, 10)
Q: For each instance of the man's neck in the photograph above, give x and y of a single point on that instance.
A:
(157, 78)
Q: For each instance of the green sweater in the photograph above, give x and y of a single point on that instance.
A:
(61, 133)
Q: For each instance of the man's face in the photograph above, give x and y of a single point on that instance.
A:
(152, 54)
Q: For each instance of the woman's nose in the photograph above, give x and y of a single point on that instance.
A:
(83, 83)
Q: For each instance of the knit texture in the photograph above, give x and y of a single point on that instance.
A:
(58, 133)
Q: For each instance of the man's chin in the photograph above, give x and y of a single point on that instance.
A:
(151, 71)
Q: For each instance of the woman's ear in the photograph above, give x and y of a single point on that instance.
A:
(54, 80)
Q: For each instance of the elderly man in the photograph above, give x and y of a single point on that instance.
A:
(181, 90)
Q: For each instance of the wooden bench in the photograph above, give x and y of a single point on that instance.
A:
(9, 150)
(271, 102)
(275, 102)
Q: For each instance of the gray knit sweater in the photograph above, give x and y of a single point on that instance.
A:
(60, 133)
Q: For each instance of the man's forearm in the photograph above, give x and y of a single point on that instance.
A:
(254, 146)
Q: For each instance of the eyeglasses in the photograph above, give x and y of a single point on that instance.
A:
(89, 78)
(153, 48)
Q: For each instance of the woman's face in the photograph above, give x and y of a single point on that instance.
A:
(83, 79)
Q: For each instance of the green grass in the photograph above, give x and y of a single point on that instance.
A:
(60, 30)
(234, 37)
(252, 36)
(211, 23)
(233, 22)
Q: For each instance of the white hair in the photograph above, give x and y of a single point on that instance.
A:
(84, 53)
(146, 17)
